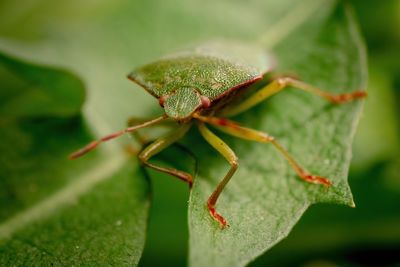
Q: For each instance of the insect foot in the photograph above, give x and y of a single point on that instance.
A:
(316, 179)
(343, 98)
(216, 216)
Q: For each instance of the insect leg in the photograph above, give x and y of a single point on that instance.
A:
(230, 156)
(236, 130)
(95, 143)
(281, 83)
(159, 145)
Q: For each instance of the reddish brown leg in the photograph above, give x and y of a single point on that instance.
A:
(281, 83)
(235, 129)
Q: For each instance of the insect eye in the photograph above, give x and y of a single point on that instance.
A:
(205, 101)
(162, 100)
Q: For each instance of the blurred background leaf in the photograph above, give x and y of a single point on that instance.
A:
(52, 211)
(33, 91)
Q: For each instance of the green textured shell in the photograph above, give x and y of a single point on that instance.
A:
(211, 69)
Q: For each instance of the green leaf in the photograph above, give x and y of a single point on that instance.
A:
(338, 233)
(54, 211)
(78, 225)
(34, 91)
(265, 199)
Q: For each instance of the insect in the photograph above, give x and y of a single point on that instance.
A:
(197, 88)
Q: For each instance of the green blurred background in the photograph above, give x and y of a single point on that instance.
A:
(327, 235)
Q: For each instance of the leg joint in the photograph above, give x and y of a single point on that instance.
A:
(283, 81)
(142, 157)
(235, 163)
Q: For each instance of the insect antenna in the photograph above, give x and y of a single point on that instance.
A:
(92, 145)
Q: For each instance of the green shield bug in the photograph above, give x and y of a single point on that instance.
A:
(197, 87)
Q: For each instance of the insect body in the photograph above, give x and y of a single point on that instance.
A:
(190, 86)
